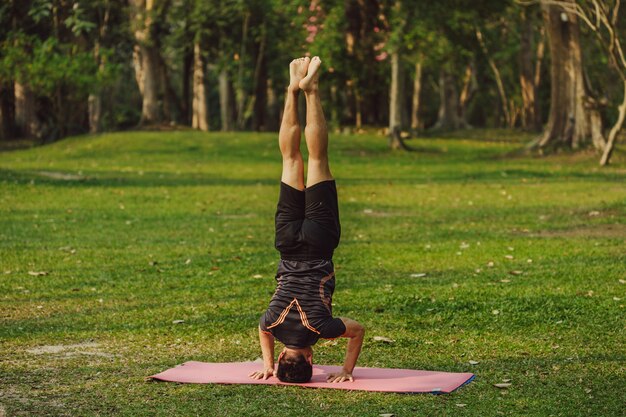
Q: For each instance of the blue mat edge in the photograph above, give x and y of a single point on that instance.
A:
(470, 379)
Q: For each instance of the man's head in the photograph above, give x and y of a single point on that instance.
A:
(295, 365)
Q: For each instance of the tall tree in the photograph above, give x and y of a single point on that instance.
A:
(574, 119)
(200, 109)
(530, 58)
(602, 17)
(146, 16)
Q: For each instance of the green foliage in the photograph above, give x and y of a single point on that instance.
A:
(48, 65)
(40, 10)
(253, 41)
(78, 21)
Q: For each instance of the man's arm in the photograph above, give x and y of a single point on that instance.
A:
(355, 331)
(267, 347)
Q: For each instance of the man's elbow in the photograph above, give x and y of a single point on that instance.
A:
(358, 331)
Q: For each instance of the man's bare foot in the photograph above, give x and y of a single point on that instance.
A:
(297, 71)
(309, 83)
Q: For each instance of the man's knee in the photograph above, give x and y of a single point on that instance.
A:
(292, 159)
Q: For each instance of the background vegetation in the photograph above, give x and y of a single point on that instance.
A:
(554, 67)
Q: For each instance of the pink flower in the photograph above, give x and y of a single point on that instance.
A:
(382, 56)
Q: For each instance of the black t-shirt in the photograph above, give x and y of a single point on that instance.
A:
(300, 311)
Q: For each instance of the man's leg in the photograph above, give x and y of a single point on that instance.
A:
(289, 134)
(315, 132)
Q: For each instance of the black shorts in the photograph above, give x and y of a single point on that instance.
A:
(307, 222)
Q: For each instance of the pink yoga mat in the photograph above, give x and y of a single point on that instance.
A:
(366, 379)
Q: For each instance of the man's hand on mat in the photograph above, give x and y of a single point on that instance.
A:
(340, 377)
(263, 374)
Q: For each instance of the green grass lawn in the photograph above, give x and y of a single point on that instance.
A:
(105, 241)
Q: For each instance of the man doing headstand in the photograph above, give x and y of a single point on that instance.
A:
(307, 232)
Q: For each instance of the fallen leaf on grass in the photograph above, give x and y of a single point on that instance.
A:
(68, 249)
(502, 385)
(188, 261)
(516, 272)
(257, 276)
(461, 405)
(419, 275)
(471, 362)
(387, 415)
(37, 273)
(490, 264)
(506, 380)
(508, 256)
(621, 281)
(383, 339)
(178, 321)
(496, 312)
(505, 280)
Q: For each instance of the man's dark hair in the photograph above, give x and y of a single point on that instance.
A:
(294, 369)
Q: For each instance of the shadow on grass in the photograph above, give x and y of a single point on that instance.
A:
(167, 179)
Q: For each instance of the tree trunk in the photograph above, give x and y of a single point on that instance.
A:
(470, 88)
(260, 83)
(358, 104)
(146, 62)
(617, 127)
(570, 119)
(26, 120)
(448, 116)
(200, 110)
(504, 102)
(151, 105)
(396, 93)
(7, 111)
(94, 101)
(416, 123)
(335, 121)
(240, 93)
(271, 121)
(396, 103)
(226, 101)
(527, 74)
(94, 104)
(170, 102)
(541, 46)
(186, 101)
